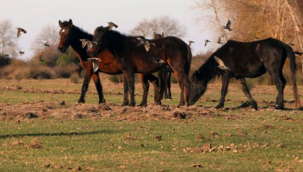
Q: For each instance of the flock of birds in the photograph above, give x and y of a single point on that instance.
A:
(227, 27)
(147, 44)
(21, 31)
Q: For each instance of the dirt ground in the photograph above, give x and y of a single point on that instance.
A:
(70, 110)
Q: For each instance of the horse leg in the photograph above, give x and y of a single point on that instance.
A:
(225, 83)
(125, 95)
(145, 86)
(251, 101)
(98, 85)
(161, 82)
(184, 85)
(131, 88)
(279, 80)
(158, 92)
(168, 86)
(87, 78)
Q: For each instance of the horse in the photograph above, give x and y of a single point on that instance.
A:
(134, 58)
(70, 35)
(242, 60)
(165, 73)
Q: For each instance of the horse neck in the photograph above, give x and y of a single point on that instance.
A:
(76, 43)
(117, 42)
(208, 70)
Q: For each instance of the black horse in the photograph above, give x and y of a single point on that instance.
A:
(70, 35)
(134, 58)
(246, 60)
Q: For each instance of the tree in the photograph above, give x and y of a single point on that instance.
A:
(164, 24)
(8, 44)
(256, 19)
(45, 46)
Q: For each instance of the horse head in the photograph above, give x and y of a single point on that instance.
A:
(65, 36)
(100, 41)
(197, 88)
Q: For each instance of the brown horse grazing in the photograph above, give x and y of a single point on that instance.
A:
(246, 60)
(133, 58)
(70, 35)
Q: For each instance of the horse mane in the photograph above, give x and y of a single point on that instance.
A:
(81, 33)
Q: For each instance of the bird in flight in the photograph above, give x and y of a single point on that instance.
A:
(111, 25)
(21, 52)
(221, 64)
(227, 26)
(20, 31)
(46, 44)
(190, 42)
(219, 41)
(206, 42)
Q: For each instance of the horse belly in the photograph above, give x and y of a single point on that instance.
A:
(149, 67)
(109, 64)
(250, 71)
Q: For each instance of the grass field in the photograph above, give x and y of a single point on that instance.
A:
(43, 129)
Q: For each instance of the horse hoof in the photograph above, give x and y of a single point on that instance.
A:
(102, 101)
(279, 107)
(219, 106)
(142, 105)
(81, 101)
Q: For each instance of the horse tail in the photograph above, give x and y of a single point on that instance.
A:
(293, 68)
(189, 58)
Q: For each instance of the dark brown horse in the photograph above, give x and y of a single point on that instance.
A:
(165, 73)
(70, 35)
(134, 58)
(246, 60)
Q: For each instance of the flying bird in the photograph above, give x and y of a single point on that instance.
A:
(95, 61)
(20, 31)
(219, 41)
(87, 43)
(46, 44)
(227, 26)
(221, 64)
(21, 52)
(206, 42)
(190, 42)
(111, 25)
(146, 43)
(298, 53)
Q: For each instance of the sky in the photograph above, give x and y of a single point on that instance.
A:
(33, 15)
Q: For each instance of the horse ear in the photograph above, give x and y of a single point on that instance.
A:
(60, 23)
(162, 34)
(70, 22)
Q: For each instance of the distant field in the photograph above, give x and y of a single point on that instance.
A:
(44, 129)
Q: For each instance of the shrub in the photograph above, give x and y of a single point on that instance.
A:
(65, 71)
(74, 78)
(116, 78)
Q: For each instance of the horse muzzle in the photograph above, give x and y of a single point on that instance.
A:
(62, 49)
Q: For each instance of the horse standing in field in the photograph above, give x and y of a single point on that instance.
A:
(246, 60)
(165, 73)
(70, 35)
(133, 58)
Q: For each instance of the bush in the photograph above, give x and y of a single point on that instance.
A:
(41, 72)
(74, 78)
(65, 71)
(116, 78)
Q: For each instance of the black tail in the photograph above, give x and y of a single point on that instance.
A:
(189, 58)
(293, 68)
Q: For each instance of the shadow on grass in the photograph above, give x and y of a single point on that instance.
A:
(56, 134)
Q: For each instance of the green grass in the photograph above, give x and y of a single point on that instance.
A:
(265, 139)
